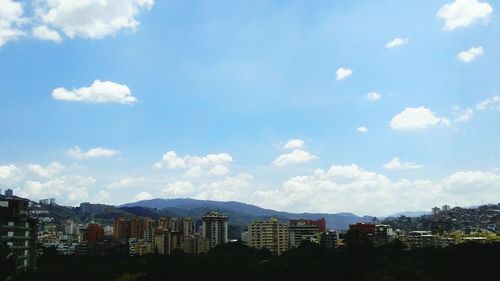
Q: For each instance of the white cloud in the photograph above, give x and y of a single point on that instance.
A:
(396, 42)
(219, 170)
(416, 118)
(42, 32)
(8, 171)
(98, 92)
(340, 188)
(49, 171)
(362, 129)
(92, 19)
(98, 152)
(396, 164)
(74, 189)
(196, 166)
(373, 96)
(463, 13)
(179, 189)
(471, 54)
(489, 103)
(295, 157)
(343, 73)
(462, 115)
(125, 183)
(11, 19)
(143, 196)
(229, 188)
(294, 144)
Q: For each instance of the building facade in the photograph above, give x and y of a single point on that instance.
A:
(268, 234)
(215, 228)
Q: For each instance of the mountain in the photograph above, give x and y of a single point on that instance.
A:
(239, 213)
(411, 214)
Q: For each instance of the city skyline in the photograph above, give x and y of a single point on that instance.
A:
(372, 108)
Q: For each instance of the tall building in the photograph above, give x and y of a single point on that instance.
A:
(194, 244)
(136, 228)
(367, 229)
(162, 242)
(149, 229)
(214, 228)
(383, 234)
(305, 230)
(93, 233)
(18, 231)
(268, 234)
(329, 240)
(121, 229)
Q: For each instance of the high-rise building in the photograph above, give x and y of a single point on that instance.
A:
(194, 244)
(121, 229)
(93, 233)
(363, 228)
(268, 234)
(162, 242)
(215, 228)
(18, 231)
(9, 193)
(329, 240)
(305, 230)
(383, 234)
(136, 228)
(149, 229)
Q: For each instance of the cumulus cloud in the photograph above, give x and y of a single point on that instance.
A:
(143, 196)
(98, 92)
(396, 164)
(396, 42)
(342, 73)
(98, 152)
(294, 144)
(226, 189)
(92, 19)
(8, 171)
(362, 130)
(196, 166)
(179, 189)
(295, 157)
(11, 20)
(42, 32)
(416, 118)
(471, 54)
(341, 187)
(462, 13)
(73, 189)
(48, 171)
(373, 96)
(489, 103)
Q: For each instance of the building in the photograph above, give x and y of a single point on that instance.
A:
(195, 244)
(139, 247)
(363, 228)
(268, 234)
(420, 239)
(214, 228)
(305, 230)
(121, 229)
(383, 234)
(18, 230)
(136, 228)
(93, 233)
(329, 240)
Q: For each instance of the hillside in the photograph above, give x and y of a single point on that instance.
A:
(239, 213)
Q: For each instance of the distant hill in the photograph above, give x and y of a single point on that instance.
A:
(239, 213)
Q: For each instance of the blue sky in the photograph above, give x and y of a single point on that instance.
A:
(96, 93)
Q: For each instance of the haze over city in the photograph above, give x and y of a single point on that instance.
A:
(370, 107)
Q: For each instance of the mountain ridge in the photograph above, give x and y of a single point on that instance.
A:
(242, 213)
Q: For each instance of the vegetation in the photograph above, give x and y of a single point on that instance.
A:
(235, 261)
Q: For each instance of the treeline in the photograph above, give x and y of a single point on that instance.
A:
(234, 261)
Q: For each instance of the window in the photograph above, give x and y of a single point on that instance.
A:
(11, 223)
(10, 233)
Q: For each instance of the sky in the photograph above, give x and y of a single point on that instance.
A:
(370, 107)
